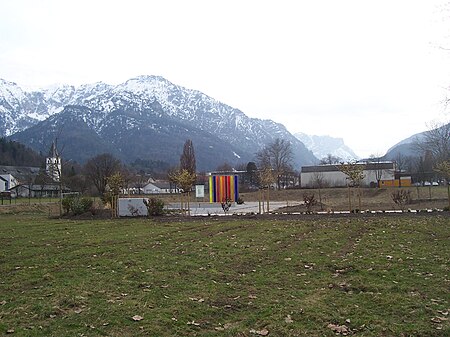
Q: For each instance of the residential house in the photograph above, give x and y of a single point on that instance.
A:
(37, 191)
(9, 182)
(159, 187)
(20, 174)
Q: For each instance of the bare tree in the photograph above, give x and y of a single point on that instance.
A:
(77, 182)
(115, 183)
(319, 182)
(29, 180)
(355, 174)
(171, 177)
(444, 169)
(43, 179)
(128, 179)
(187, 158)
(266, 179)
(278, 157)
(376, 159)
(73, 178)
(400, 162)
(99, 168)
(436, 141)
(330, 160)
(184, 180)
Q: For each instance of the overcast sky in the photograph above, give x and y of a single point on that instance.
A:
(371, 72)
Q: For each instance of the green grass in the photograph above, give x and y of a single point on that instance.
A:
(378, 276)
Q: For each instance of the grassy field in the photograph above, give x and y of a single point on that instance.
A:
(233, 276)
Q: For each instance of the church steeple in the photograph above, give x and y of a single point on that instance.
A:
(53, 153)
(53, 163)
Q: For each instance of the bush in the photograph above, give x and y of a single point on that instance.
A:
(67, 204)
(77, 205)
(81, 205)
(401, 198)
(240, 201)
(309, 201)
(154, 206)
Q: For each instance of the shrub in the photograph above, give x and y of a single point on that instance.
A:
(85, 205)
(226, 205)
(240, 201)
(77, 205)
(309, 201)
(154, 206)
(67, 204)
(106, 198)
(401, 198)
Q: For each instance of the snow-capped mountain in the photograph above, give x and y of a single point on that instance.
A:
(322, 146)
(14, 109)
(144, 117)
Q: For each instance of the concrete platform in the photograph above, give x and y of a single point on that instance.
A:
(204, 209)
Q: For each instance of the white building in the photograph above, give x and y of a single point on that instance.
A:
(7, 181)
(159, 187)
(331, 176)
(35, 191)
(2, 184)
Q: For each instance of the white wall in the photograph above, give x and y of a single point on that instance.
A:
(2, 185)
(339, 179)
(132, 207)
(331, 179)
(11, 181)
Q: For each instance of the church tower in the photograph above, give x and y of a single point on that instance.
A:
(53, 163)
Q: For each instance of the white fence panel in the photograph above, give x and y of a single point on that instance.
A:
(132, 207)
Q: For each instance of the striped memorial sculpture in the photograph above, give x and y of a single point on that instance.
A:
(223, 188)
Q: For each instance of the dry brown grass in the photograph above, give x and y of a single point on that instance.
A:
(51, 208)
(336, 199)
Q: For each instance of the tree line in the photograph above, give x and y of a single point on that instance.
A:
(273, 166)
(15, 154)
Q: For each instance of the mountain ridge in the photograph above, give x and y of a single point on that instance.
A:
(321, 146)
(408, 147)
(146, 105)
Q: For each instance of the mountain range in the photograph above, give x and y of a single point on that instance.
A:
(146, 117)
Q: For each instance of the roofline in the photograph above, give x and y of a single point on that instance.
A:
(385, 165)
